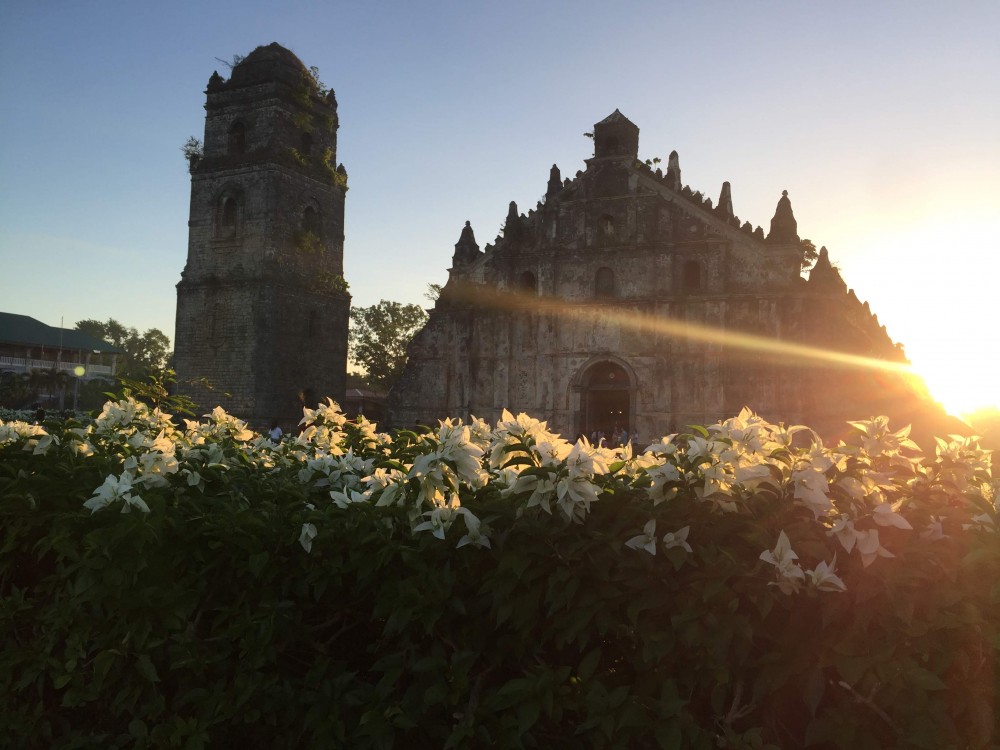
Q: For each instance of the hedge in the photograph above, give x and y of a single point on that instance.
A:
(474, 585)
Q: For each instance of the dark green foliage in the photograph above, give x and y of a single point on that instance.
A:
(204, 623)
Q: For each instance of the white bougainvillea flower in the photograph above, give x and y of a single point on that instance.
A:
(307, 535)
(574, 496)
(884, 515)
(934, 530)
(824, 578)
(664, 477)
(677, 539)
(388, 484)
(982, 522)
(869, 546)
(480, 432)
(782, 557)
(474, 532)
(455, 444)
(348, 498)
(646, 540)
(790, 575)
(328, 413)
(542, 489)
(441, 518)
(843, 528)
(113, 490)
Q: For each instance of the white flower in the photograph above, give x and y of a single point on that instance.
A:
(790, 576)
(982, 522)
(456, 445)
(306, 536)
(646, 540)
(542, 489)
(782, 556)
(677, 539)
(869, 546)
(473, 527)
(325, 414)
(843, 528)
(441, 518)
(824, 578)
(884, 515)
(114, 489)
(934, 530)
(345, 499)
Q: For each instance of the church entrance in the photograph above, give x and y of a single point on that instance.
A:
(606, 400)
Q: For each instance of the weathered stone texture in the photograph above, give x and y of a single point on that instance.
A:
(624, 273)
(262, 308)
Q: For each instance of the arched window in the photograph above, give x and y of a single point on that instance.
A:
(606, 225)
(306, 144)
(526, 283)
(228, 219)
(692, 276)
(310, 221)
(237, 138)
(604, 282)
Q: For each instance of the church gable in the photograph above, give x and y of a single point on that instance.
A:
(624, 271)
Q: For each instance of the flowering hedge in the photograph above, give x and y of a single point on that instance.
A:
(740, 586)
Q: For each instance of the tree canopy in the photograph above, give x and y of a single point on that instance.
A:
(379, 336)
(144, 352)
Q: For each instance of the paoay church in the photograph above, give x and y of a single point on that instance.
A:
(626, 300)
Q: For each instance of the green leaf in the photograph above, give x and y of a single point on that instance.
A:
(146, 669)
(257, 562)
(669, 737)
(589, 664)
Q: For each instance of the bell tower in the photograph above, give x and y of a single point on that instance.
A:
(262, 305)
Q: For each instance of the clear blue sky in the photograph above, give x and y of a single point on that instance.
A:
(880, 119)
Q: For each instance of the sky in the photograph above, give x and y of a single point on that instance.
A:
(880, 119)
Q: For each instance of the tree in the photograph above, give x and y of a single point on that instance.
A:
(433, 292)
(379, 336)
(145, 353)
(809, 254)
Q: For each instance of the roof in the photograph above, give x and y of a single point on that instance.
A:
(616, 118)
(269, 63)
(21, 329)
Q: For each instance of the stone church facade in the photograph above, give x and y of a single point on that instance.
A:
(625, 299)
(262, 305)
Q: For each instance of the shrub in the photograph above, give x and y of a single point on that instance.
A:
(740, 586)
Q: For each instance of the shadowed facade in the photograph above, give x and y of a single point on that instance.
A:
(262, 306)
(626, 299)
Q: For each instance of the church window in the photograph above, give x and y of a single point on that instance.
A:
(692, 276)
(607, 227)
(227, 224)
(604, 282)
(306, 144)
(526, 283)
(310, 220)
(237, 138)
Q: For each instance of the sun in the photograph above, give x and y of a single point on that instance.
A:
(958, 390)
(933, 284)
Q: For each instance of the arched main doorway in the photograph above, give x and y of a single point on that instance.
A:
(606, 399)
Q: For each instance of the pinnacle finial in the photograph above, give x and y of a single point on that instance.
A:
(466, 248)
(784, 228)
(674, 171)
(726, 201)
(555, 182)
